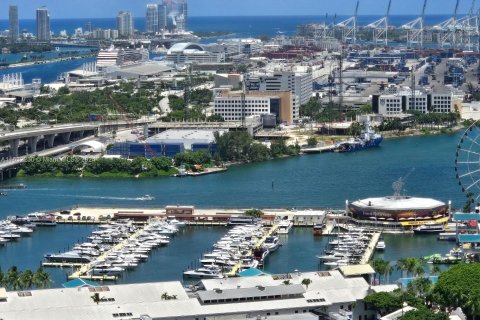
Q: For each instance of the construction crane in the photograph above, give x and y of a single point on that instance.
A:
(140, 138)
(415, 29)
(380, 27)
(400, 183)
(349, 26)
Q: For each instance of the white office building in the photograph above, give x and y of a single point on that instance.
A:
(300, 84)
(395, 104)
(231, 107)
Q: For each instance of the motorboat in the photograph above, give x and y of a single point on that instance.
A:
(284, 227)
(67, 257)
(204, 273)
(146, 197)
(429, 228)
(271, 243)
(318, 229)
(380, 245)
(105, 270)
(41, 219)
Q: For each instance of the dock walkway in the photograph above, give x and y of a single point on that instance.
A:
(371, 248)
(80, 273)
(260, 242)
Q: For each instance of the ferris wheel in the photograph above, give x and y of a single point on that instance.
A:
(467, 162)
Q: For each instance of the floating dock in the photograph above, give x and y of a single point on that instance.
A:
(371, 248)
(80, 273)
(260, 242)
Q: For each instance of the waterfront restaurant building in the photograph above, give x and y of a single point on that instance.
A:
(398, 212)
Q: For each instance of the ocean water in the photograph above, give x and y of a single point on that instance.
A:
(313, 181)
(242, 26)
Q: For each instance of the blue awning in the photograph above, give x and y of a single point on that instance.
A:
(466, 216)
(252, 272)
(76, 283)
(475, 238)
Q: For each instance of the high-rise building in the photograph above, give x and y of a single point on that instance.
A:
(125, 24)
(151, 20)
(13, 23)
(43, 24)
(183, 10)
(173, 15)
(89, 27)
(162, 17)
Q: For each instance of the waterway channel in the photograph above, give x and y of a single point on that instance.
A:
(320, 181)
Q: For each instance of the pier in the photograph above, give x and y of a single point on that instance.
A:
(371, 248)
(237, 267)
(80, 273)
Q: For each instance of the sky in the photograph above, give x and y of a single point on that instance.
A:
(109, 8)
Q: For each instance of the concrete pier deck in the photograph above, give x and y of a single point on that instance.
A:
(80, 273)
(260, 242)
(371, 248)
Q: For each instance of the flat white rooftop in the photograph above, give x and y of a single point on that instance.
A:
(398, 203)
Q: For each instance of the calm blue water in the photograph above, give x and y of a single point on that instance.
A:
(243, 26)
(324, 180)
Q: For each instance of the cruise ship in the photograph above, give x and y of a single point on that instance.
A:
(120, 57)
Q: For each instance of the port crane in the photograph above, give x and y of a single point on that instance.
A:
(349, 26)
(415, 29)
(380, 27)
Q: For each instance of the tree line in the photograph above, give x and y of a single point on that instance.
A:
(15, 279)
(239, 146)
(459, 286)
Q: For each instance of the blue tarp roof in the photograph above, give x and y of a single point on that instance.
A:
(79, 283)
(252, 272)
(466, 216)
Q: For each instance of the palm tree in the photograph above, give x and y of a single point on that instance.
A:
(12, 278)
(26, 279)
(2, 278)
(436, 270)
(96, 297)
(379, 267)
(41, 278)
(402, 265)
(306, 282)
(387, 272)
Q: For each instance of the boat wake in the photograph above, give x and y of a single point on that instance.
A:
(104, 197)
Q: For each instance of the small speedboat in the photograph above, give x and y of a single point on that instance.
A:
(146, 198)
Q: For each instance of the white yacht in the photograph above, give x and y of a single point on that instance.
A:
(271, 243)
(380, 245)
(284, 227)
(203, 273)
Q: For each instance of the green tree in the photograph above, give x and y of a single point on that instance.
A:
(13, 278)
(424, 314)
(355, 129)
(383, 302)
(306, 282)
(312, 141)
(41, 278)
(26, 279)
(96, 298)
(459, 286)
(162, 163)
(257, 213)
